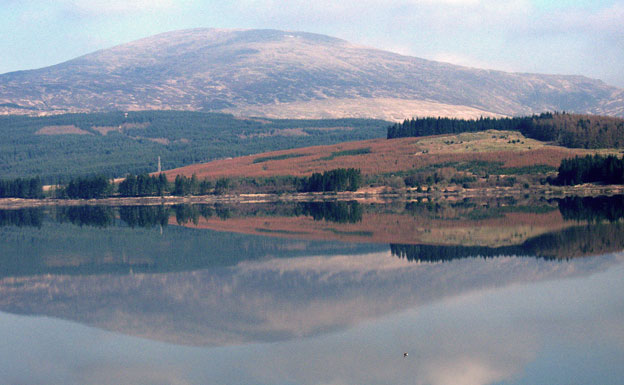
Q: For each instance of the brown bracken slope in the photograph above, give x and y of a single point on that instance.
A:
(379, 156)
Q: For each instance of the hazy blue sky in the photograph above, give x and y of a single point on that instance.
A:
(565, 36)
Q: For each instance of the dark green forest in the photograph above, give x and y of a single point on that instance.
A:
(21, 188)
(115, 144)
(340, 179)
(591, 169)
(568, 130)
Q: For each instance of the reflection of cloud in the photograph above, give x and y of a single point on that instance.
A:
(467, 371)
(136, 374)
(442, 351)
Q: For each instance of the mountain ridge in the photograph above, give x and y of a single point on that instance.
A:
(280, 74)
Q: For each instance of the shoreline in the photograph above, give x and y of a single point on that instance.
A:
(368, 195)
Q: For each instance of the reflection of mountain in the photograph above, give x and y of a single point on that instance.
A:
(270, 300)
(195, 286)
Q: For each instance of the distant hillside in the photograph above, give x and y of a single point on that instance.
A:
(114, 144)
(290, 74)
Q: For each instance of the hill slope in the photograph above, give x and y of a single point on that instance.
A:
(274, 73)
(479, 152)
(114, 143)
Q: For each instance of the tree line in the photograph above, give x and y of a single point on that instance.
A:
(340, 179)
(568, 130)
(30, 188)
(144, 185)
(591, 169)
(436, 126)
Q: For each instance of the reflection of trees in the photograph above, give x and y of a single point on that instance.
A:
(97, 216)
(593, 239)
(592, 209)
(31, 217)
(339, 212)
(191, 213)
(473, 210)
(144, 216)
(432, 253)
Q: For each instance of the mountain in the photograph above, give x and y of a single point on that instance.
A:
(289, 74)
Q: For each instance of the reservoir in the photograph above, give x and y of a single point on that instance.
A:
(499, 291)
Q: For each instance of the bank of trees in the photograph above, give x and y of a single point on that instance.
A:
(568, 130)
(143, 185)
(437, 126)
(21, 188)
(340, 179)
(591, 169)
(193, 186)
(91, 187)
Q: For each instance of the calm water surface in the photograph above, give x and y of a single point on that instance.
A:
(474, 292)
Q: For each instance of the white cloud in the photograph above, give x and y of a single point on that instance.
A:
(469, 61)
(468, 371)
(119, 6)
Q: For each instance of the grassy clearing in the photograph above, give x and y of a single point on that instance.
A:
(484, 141)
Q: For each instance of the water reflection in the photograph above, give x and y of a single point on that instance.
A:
(31, 217)
(592, 209)
(290, 308)
(568, 243)
(94, 239)
(580, 209)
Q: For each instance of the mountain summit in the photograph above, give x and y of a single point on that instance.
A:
(289, 74)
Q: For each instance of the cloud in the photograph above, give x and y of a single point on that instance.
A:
(119, 6)
(470, 61)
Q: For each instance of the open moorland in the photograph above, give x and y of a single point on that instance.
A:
(482, 154)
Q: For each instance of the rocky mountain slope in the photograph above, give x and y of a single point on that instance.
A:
(289, 74)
